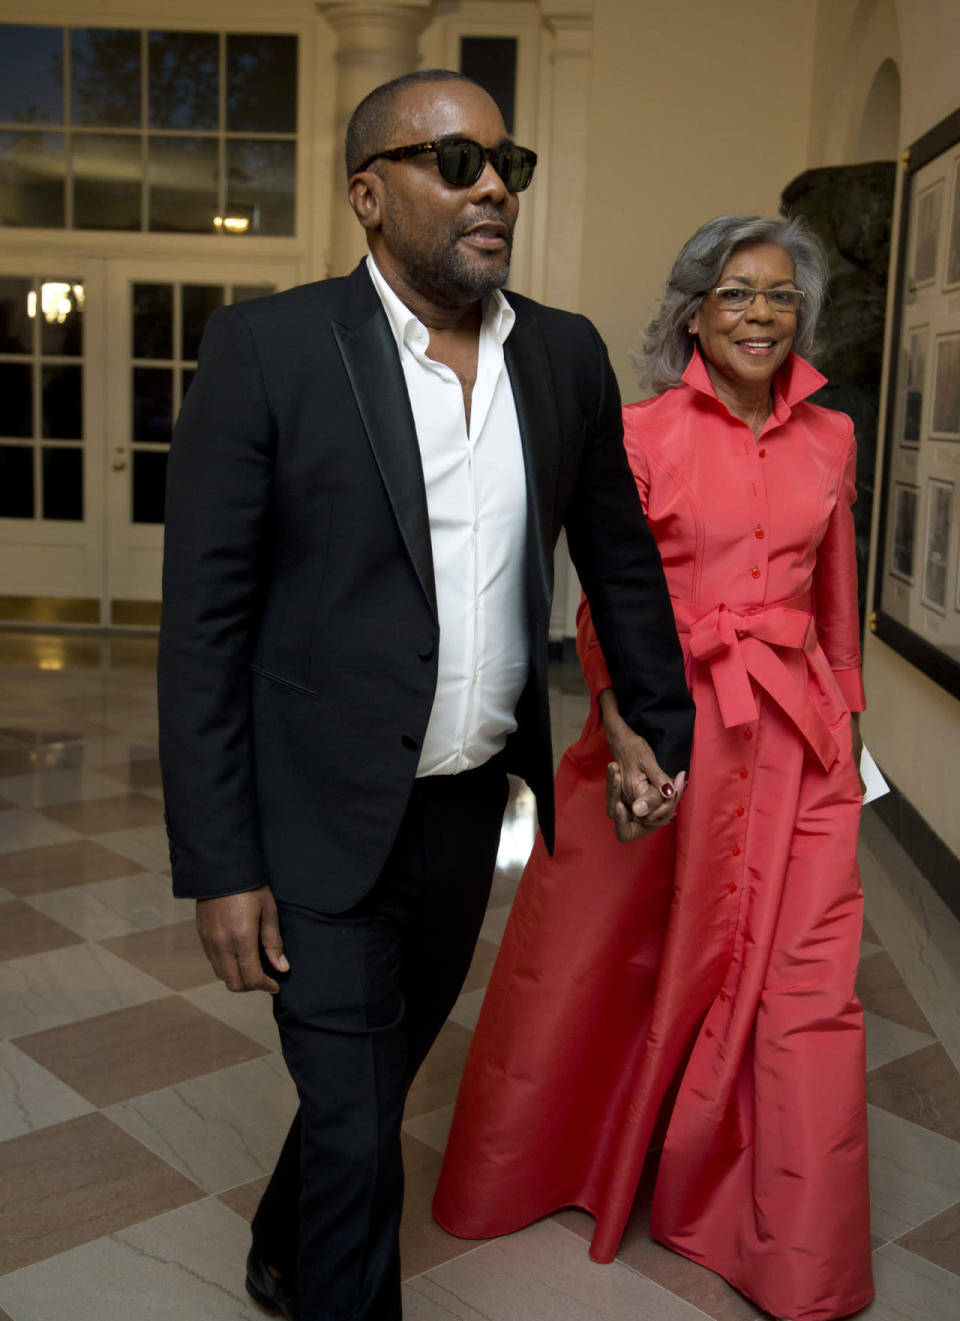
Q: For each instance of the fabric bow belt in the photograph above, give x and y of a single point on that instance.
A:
(738, 647)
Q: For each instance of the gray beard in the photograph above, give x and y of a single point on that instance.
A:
(448, 278)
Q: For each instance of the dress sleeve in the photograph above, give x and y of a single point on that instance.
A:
(835, 589)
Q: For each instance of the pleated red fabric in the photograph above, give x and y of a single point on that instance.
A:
(704, 975)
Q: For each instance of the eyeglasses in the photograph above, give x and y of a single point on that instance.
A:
(736, 297)
(461, 161)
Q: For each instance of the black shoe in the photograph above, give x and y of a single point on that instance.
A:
(272, 1293)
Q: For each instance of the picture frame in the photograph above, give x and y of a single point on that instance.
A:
(903, 543)
(916, 605)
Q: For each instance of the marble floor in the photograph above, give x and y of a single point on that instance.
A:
(141, 1104)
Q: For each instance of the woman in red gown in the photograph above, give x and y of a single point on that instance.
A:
(699, 982)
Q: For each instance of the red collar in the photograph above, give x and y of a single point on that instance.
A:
(795, 380)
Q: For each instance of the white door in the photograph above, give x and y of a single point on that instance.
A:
(156, 315)
(52, 435)
(95, 357)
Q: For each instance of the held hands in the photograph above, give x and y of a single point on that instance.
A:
(233, 928)
(640, 796)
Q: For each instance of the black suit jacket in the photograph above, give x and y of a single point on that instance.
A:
(298, 648)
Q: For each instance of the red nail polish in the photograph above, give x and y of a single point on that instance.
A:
(666, 789)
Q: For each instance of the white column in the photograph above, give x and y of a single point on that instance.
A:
(571, 23)
(375, 42)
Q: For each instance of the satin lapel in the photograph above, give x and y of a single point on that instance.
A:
(532, 380)
(370, 356)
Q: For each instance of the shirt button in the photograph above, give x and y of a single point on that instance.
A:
(476, 527)
(732, 888)
(739, 811)
(736, 850)
(762, 453)
(707, 1032)
(748, 734)
(759, 534)
(476, 678)
(721, 995)
(743, 774)
(755, 571)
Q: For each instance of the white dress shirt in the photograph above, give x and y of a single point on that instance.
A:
(477, 505)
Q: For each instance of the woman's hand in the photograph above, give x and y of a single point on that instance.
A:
(640, 795)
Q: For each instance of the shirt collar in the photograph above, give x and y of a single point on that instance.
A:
(410, 332)
(795, 380)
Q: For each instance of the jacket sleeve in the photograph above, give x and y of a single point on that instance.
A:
(216, 546)
(835, 588)
(619, 566)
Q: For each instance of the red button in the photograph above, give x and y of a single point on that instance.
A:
(755, 572)
(762, 453)
(732, 888)
(707, 1032)
(721, 995)
(748, 734)
(759, 534)
(736, 850)
(739, 811)
(744, 774)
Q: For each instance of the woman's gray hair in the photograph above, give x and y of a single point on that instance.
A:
(667, 343)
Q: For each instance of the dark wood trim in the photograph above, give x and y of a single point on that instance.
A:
(935, 859)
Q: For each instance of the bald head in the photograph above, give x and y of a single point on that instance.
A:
(372, 122)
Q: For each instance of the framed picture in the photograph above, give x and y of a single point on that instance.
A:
(905, 499)
(937, 543)
(946, 388)
(952, 279)
(914, 370)
(926, 234)
(916, 604)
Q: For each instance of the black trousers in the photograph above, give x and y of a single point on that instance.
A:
(367, 992)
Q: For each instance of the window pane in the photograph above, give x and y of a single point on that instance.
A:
(183, 184)
(260, 185)
(199, 300)
(492, 62)
(62, 482)
(61, 321)
(106, 181)
(16, 481)
(16, 399)
(184, 76)
(62, 403)
(152, 321)
(31, 180)
(16, 332)
(105, 78)
(152, 405)
(149, 482)
(243, 292)
(31, 74)
(261, 83)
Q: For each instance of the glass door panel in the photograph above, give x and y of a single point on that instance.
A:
(51, 440)
(159, 312)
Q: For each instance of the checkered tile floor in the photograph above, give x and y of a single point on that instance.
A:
(141, 1105)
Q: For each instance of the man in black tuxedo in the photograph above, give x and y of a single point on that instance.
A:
(366, 484)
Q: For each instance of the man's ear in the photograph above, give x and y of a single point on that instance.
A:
(365, 195)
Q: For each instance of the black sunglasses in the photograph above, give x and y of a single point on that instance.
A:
(461, 161)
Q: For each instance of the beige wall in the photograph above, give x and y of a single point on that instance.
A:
(912, 725)
(675, 139)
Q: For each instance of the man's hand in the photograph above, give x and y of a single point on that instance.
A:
(233, 928)
(640, 796)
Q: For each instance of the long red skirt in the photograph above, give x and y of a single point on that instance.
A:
(706, 972)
